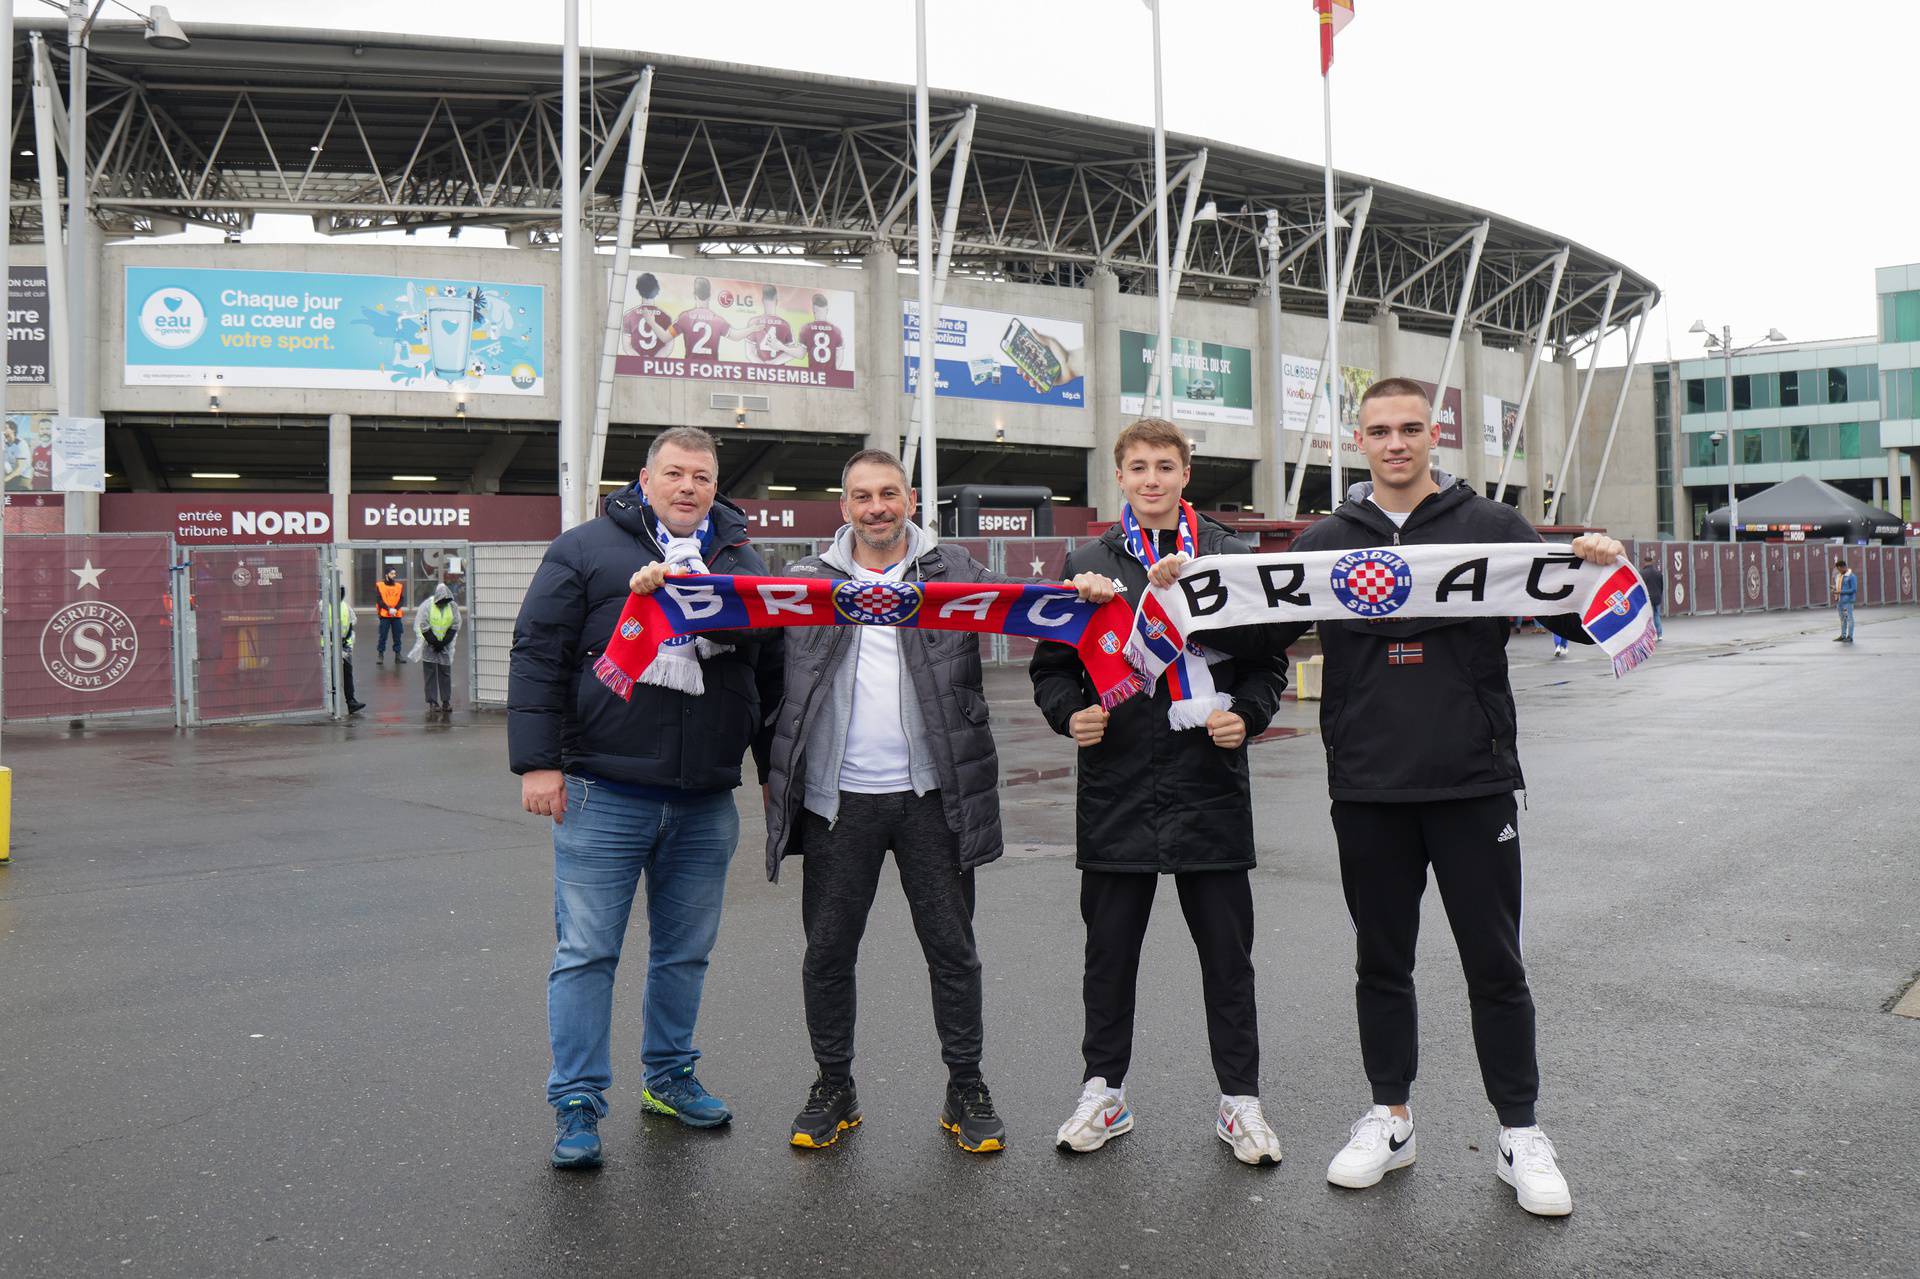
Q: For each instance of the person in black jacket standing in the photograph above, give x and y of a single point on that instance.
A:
(639, 789)
(1419, 727)
(1153, 800)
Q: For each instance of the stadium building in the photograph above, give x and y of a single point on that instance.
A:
(769, 296)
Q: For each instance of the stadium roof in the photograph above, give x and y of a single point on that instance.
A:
(367, 132)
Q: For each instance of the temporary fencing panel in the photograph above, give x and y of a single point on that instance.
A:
(1679, 578)
(1705, 565)
(501, 574)
(1797, 596)
(1876, 584)
(1776, 559)
(1857, 560)
(259, 627)
(1908, 556)
(1819, 576)
(1753, 578)
(89, 624)
(1042, 557)
(1727, 568)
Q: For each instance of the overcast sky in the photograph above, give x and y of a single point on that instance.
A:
(1747, 155)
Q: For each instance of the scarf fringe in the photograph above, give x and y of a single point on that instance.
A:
(1193, 712)
(1635, 653)
(618, 682)
(679, 673)
(1133, 684)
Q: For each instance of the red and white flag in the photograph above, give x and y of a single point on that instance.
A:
(1334, 17)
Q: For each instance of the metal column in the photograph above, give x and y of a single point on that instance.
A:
(1626, 382)
(1586, 391)
(617, 289)
(1533, 370)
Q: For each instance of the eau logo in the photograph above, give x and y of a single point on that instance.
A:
(172, 318)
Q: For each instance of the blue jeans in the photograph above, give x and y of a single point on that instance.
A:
(1846, 619)
(1658, 629)
(606, 846)
(389, 624)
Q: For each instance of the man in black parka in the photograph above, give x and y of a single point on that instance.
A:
(1152, 800)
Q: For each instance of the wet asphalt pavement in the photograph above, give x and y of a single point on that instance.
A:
(272, 1003)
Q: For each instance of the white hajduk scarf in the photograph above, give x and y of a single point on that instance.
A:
(678, 664)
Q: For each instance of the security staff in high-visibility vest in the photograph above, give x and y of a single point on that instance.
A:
(391, 591)
(437, 622)
(343, 619)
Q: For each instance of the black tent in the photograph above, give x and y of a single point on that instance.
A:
(1813, 507)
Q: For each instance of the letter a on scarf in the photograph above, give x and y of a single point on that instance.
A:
(691, 604)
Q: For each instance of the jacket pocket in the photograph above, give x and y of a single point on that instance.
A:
(973, 706)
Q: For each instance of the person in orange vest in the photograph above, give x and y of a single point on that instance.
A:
(390, 612)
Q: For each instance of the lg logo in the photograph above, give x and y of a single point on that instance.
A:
(172, 318)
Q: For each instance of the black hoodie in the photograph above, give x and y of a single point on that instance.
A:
(1441, 727)
(560, 716)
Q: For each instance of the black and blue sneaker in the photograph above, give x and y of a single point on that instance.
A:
(578, 1142)
(681, 1096)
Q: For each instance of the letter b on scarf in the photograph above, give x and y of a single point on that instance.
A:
(1205, 595)
(696, 602)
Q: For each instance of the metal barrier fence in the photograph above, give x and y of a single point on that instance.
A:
(259, 632)
(1707, 578)
(88, 626)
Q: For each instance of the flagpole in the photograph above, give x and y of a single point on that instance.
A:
(1163, 343)
(923, 265)
(1333, 378)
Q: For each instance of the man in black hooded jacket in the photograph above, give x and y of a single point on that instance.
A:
(1417, 718)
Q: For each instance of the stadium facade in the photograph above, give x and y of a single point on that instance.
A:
(766, 298)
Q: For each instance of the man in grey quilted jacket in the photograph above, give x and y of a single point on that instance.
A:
(882, 743)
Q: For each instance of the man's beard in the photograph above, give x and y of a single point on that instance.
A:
(886, 543)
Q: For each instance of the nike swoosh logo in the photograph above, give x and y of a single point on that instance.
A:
(1113, 1116)
(1395, 1145)
(1508, 1156)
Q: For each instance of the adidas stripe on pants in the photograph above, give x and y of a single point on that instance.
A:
(1474, 849)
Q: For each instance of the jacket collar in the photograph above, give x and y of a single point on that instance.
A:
(839, 556)
(1360, 509)
(626, 509)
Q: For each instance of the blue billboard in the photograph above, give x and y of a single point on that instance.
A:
(993, 355)
(304, 330)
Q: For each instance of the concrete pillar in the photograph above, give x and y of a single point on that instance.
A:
(340, 486)
(1386, 327)
(1894, 467)
(82, 510)
(1552, 387)
(1472, 389)
(1879, 498)
(1269, 411)
(880, 353)
(1103, 491)
(1913, 485)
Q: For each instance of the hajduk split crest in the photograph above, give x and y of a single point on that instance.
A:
(876, 603)
(1372, 583)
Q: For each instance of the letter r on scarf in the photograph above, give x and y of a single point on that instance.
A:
(696, 602)
(978, 604)
(786, 599)
(1205, 595)
(1284, 592)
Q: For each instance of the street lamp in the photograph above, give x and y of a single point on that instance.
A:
(1723, 340)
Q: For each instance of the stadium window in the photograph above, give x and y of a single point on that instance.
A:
(1836, 386)
(1704, 450)
(1869, 438)
(1799, 444)
(1742, 392)
(1846, 442)
(1900, 317)
(1696, 395)
(1752, 452)
(1772, 444)
(1789, 390)
(1861, 383)
(1764, 396)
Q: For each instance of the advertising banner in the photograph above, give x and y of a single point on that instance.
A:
(709, 329)
(213, 519)
(88, 626)
(1212, 382)
(34, 512)
(1446, 411)
(454, 517)
(1498, 418)
(213, 328)
(995, 355)
(46, 453)
(28, 355)
(1297, 376)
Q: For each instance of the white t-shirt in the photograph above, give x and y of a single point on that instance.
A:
(875, 761)
(1399, 518)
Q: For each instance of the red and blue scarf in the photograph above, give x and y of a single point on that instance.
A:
(1189, 682)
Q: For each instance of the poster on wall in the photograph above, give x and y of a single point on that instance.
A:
(996, 355)
(1498, 418)
(1446, 412)
(216, 328)
(709, 329)
(1297, 376)
(46, 453)
(27, 351)
(1212, 382)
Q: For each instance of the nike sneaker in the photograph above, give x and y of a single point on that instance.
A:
(1379, 1142)
(1102, 1115)
(1241, 1125)
(1525, 1160)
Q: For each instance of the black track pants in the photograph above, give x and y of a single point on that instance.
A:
(1385, 850)
(1218, 905)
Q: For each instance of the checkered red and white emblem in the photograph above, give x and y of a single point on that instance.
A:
(1371, 581)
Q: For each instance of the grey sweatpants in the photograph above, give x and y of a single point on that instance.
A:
(841, 870)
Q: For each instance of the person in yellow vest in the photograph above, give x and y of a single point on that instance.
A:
(391, 592)
(436, 622)
(343, 619)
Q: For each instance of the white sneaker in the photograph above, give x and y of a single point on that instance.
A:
(1381, 1141)
(1243, 1127)
(1102, 1115)
(1525, 1160)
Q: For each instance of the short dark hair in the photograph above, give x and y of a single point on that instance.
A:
(1387, 386)
(768, 293)
(647, 286)
(702, 288)
(691, 438)
(819, 299)
(1154, 433)
(877, 457)
(1839, 561)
